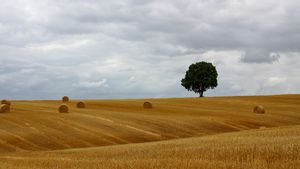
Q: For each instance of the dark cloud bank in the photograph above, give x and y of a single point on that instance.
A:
(131, 48)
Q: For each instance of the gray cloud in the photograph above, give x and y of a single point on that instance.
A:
(143, 48)
(260, 55)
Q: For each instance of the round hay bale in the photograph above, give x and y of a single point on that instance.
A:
(259, 109)
(65, 99)
(4, 108)
(6, 102)
(63, 108)
(147, 105)
(81, 105)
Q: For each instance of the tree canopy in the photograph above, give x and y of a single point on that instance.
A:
(200, 77)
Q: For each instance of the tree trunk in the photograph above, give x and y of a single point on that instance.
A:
(201, 93)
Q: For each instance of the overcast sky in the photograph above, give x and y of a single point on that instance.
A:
(140, 49)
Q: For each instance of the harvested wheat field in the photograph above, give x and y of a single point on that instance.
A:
(216, 132)
(272, 148)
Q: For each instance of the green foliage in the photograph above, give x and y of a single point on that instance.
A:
(200, 77)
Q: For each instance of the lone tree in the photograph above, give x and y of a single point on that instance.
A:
(200, 77)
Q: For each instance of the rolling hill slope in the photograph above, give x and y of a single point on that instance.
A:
(274, 148)
(37, 125)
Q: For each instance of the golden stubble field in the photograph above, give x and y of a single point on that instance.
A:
(217, 132)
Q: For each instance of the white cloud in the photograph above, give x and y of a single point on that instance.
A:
(143, 48)
(58, 45)
(273, 81)
(96, 84)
